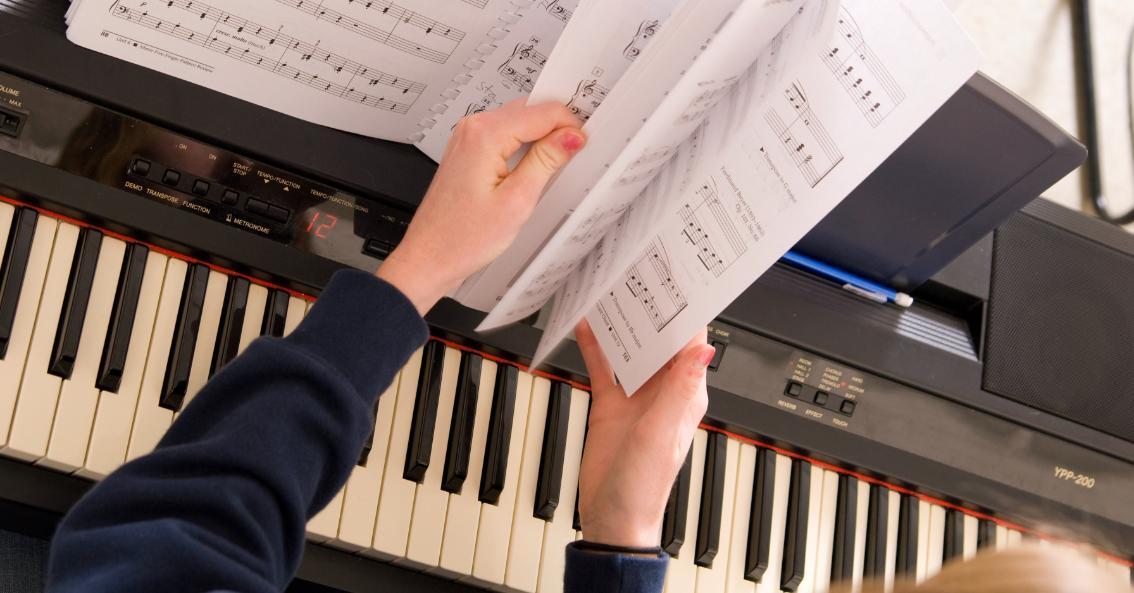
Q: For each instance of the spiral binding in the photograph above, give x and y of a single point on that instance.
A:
(510, 16)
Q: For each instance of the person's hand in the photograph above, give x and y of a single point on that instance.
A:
(635, 446)
(475, 207)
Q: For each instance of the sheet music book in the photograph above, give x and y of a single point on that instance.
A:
(720, 131)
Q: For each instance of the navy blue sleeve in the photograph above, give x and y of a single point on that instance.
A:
(223, 501)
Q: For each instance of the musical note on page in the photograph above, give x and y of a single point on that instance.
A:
(860, 71)
(297, 60)
(587, 98)
(802, 135)
(646, 32)
(522, 68)
(650, 281)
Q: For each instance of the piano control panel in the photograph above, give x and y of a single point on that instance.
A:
(158, 164)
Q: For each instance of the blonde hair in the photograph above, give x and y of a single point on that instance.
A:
(1026, 569)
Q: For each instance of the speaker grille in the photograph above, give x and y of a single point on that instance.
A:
(1061, 325)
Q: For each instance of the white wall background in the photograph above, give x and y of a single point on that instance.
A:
(1028, 48)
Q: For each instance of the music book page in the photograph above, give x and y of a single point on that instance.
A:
(798, 148)
(372, 67)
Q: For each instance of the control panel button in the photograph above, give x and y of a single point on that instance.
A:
(793, 389)
(140, 167)
(171, 177)
(847, 408)
(377, 248)
(201, 188)
(821, 398)
(257, 206)
(718, 354)
(230, 196)
(278, 214)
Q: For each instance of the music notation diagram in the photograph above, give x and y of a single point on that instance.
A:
(587, 98)
(651, 282)
(803, 136)
(477, 3)
(273, 51)
(487, 102)
(711, 94)
(608, 323)
(558, 9)
(710, 231)
(861, 72)
(389, 24)
(646, 166)
(646, 31)
(523, 67)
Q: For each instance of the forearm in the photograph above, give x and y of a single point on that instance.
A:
(223, 501)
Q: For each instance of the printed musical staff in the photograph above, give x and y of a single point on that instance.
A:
(273, 51)
(803, 136)
(524, 66)
(558, 9)
(587, 98)
(711, 94)
(477, 3)
(646, 31)
(396, 26)
(608, 322)
(647, 166)
(710, 230)
(861, 72)
(650, 280)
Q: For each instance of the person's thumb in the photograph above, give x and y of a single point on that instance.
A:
(544, 159)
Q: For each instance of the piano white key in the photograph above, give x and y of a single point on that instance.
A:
(714, 578)
(893, 507)
(115, 415)
(861, 517)
(827, 511)
(807, 585)
(206, 336)
(491, 558)
(741, 517)
(681, 577)
(296, 311)
(526, 539)
(151, 421)
(395, 507)
(463, 518)
(324, 526)
(430, 502)
(39, 389)
(923, 514)
(253, 315)
(360, 498)
(1015, 538)
(935, 551)
(560, 532)
(770, 583)
(972, 530)
(1001, 537)
(78, 399)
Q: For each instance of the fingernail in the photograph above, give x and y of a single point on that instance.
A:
(707, 355)
(572, 141)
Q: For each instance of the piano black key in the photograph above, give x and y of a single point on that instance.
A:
(117, 344)
(495, 469)
(846, 510)
(712, 501)
(576, 522)
(877, 524)
(364, 456)
(74, 312)
(232, 321)
(907, 536)
(275, 316)
(760, 516)
(461, 428)
(424, 412)
(176, 383)
(550, 480)
(795, 541)
(954, 535)
(16, 254)
(677, 509)
(986, 534)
